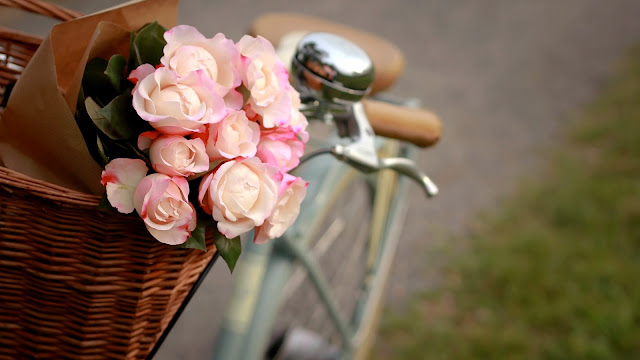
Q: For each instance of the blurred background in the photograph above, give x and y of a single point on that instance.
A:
(510, 79)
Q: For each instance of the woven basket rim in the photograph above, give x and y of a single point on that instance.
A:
(12, 179)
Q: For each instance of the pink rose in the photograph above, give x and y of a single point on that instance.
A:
(281, 149)
(239, 194)
(188, 50)
(120, 177)
(162, 203)
(177, 156)
(235, 136)
(177, 105)
(292, 192)
(266, 78)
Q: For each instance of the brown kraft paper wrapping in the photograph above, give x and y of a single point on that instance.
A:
(38, 132)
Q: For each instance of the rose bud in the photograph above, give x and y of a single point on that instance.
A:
(177, 156)
(235, 136)
(162, 202)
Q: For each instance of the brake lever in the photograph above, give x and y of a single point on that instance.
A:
(407, 167)
(354, 156)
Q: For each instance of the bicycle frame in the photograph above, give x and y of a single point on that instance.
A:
(265, 269)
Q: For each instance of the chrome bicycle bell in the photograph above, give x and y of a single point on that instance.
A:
(331, 68)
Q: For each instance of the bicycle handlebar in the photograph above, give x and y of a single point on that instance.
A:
(418, 126)
(331, 69)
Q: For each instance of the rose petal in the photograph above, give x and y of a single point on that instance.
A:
(121, 177)
(236, 228)
(293, 191)
(141, 72)
(183, 34)
(146, 138)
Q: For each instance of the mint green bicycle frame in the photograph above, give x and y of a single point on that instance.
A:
(265, 269)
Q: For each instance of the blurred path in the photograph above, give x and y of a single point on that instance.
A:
(504, 76)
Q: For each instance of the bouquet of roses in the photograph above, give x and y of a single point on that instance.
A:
(195, 132)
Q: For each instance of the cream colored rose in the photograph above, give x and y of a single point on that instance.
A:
(162, 202)
(177, 105)
(235, 136)
(239, 194)
(292, 193)
(266, 78)
(188, 50)
(177, 156)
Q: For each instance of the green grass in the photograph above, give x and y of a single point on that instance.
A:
(555, 274)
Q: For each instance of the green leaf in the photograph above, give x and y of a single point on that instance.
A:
(148, 45)
(105, 204)
(94, 73)
(102, 151)
(88, 130)
(93, 109)
(96, 83)
(245, 93)
(137, 153)
(229, 250)
(114, 120)
(115, 70)
(123, 149)
(131, 64)
(197, 238)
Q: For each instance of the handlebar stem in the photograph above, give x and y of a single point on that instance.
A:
(361, 152)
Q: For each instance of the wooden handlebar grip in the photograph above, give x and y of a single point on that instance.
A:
(419, 126)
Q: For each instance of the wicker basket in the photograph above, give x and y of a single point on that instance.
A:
(77, 282)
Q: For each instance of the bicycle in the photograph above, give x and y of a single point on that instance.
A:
(266, 269)
(286, 273)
